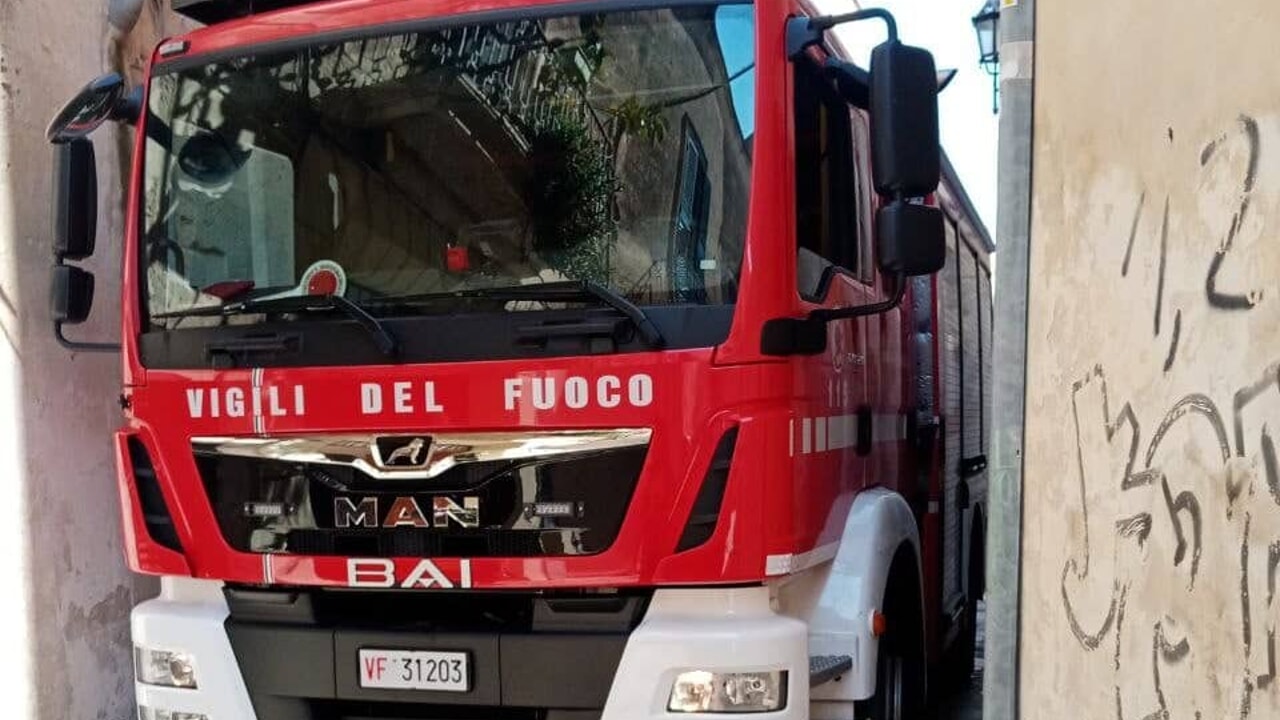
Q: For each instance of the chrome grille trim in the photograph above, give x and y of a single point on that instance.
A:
(445, 450)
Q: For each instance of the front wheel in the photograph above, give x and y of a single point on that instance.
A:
(899, 680)
(890, 688)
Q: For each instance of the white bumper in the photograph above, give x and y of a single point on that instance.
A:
(188, 617)
(685, 629)
(731, 629)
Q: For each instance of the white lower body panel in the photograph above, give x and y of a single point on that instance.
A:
(188, 617)
(683, 629)
(707, 629)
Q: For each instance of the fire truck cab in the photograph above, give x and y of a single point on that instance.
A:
(538, 360)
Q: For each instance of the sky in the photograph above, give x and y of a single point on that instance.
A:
(969, 129)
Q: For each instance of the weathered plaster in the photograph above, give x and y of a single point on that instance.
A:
(1152, 501)
(64, 615)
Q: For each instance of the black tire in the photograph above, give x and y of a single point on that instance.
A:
(962, 658)
(900, 667)
(891, 700)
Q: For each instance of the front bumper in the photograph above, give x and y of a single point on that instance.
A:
(188, 617)
(307, 673)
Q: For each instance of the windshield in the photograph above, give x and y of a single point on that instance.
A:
(611, 148)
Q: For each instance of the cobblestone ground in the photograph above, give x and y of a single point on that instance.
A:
(967, 704)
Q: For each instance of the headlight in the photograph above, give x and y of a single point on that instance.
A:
(147, 713)
(165, 667)
(729, 692)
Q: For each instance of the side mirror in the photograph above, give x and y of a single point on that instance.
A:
(75, 217)
(905, 150)
(906, 158)
(75, 200)
(906, 154)
(101, 100)
(906, 164)
(72, 295)
(911, 239)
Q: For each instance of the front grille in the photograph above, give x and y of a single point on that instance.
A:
(532, 655)
(459, 542)
(346, 710)
(561, 504)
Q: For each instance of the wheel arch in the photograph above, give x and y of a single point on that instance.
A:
(880, 538)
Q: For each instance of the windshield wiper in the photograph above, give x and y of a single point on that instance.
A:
(382, 337)
(571, 291)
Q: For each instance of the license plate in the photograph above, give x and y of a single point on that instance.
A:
(414, 670)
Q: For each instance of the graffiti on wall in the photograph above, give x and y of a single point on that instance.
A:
(1246, 133)
(1173, 582)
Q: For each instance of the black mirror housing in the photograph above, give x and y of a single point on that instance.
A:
(101, 100)
(75, 221)
(75, 200)
(911, 239)
(71, 295)
(905, 150)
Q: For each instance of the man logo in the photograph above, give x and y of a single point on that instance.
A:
(405, 512)
(403, 451)
(410, 451)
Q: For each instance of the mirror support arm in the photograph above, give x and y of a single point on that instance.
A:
(81, 346)
(70, 344)
(128, 109)
(804, 33)
(831, 314)
(781, 337)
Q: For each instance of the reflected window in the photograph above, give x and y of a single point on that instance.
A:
(826, 191)
(687, 257)
(611, 147)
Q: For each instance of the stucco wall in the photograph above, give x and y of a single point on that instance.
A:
(1152, 503)
(67, 594)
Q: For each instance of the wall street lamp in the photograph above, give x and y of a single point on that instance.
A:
(987, 23)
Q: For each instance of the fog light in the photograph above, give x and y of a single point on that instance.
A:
(729, 692)
(148, 713)
(164, 667)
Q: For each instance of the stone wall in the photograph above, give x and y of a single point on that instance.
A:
(64, 612)
(1151, 536)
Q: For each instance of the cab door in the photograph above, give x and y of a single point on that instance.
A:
(886, 353)
(832, 444)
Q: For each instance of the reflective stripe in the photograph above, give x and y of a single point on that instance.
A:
(259, 421)
(798, 562)
(837, 432)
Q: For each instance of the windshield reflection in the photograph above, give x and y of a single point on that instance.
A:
(613, 148)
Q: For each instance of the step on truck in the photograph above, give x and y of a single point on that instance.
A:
(490, 359)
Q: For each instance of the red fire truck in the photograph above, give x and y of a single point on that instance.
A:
(492, 359)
